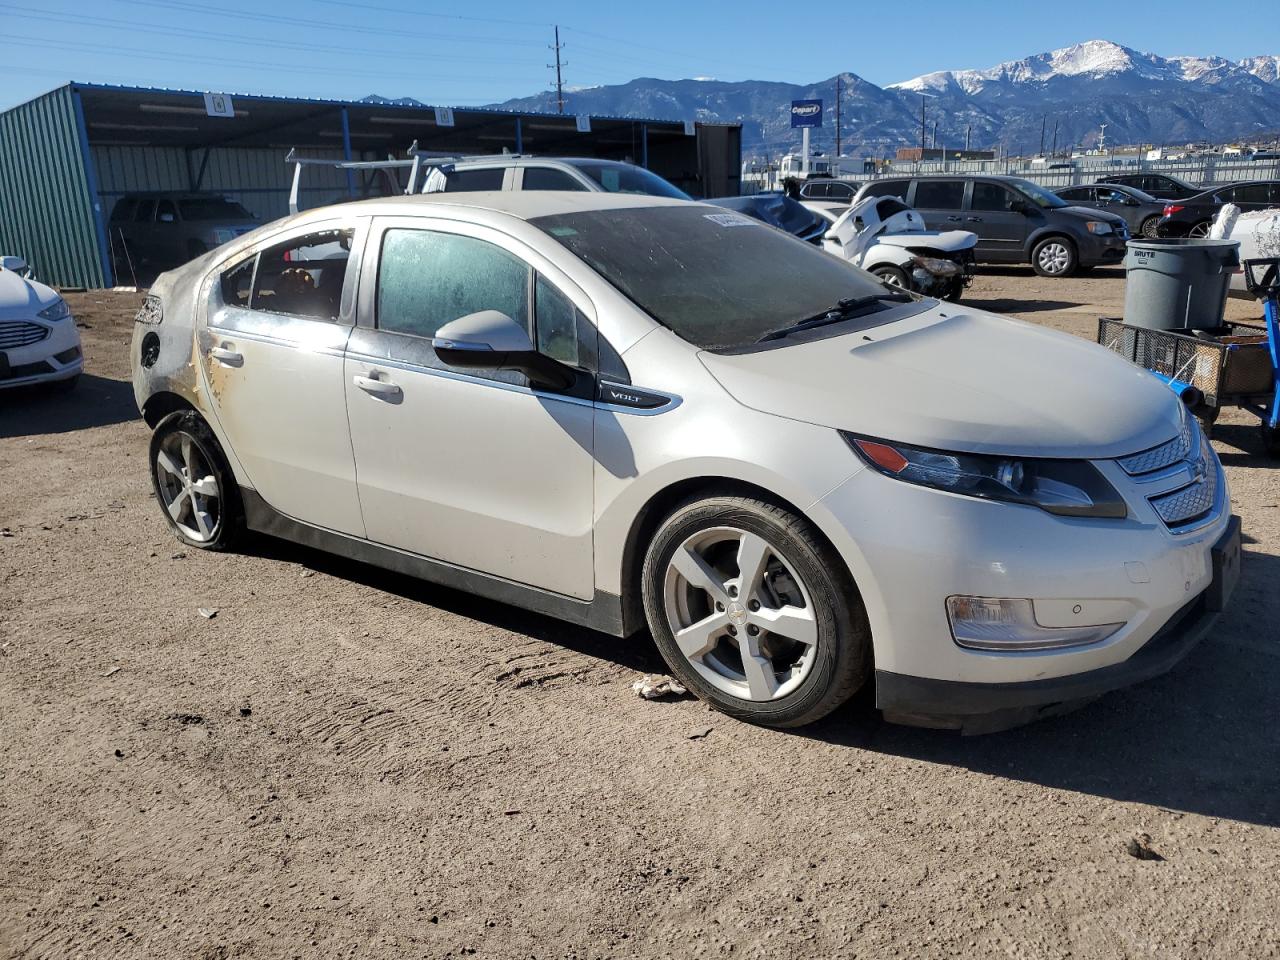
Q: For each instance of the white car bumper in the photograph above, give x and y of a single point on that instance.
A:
(38, 351)
(911, 547)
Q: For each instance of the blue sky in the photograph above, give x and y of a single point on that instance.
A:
(454, 53)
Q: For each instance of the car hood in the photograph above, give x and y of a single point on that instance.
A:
(1093, 213)
(948, 240)
(960, 380)
(23, 298)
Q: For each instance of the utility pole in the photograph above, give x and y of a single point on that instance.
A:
(1044, 118)
(934, 142)
(837, 118)
(967, 131)
(1054, 151)
(922, 127)
(557, 47)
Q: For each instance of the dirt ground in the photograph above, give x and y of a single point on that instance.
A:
(347, 763)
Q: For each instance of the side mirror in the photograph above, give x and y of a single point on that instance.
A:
(490, 340)
(166, 218)
(15, 264)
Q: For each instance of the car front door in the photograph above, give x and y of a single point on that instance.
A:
(271, 353)
(471, 468)
(1001, 229)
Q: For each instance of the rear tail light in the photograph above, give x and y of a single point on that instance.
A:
(1172, 208)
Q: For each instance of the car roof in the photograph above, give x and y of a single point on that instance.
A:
(523, 204)
(1234, 183)
(519, 160)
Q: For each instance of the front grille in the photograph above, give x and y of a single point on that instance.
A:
(1157, 458)
(21, 333)
(1193, 502)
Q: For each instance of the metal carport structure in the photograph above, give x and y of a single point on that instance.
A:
(67, 156)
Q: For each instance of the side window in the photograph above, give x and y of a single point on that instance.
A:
(146, 211)
(123, 209)
(1075, 193)
(815, 191)
(556, 320)
(1110, 196)
(304, 276)
(889, 188)
(1251, 193)
(939, 194)
(840, 191)
(237, 284)
(485, 178)
(426, 279)
(548, 178)
(991, 196)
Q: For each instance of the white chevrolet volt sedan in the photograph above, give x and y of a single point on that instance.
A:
(630, 412)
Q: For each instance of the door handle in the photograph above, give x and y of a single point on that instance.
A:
(953, 219)
(383, 389)
(974, 219)
(228, 357)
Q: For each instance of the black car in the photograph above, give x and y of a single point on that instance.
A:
(1162, 186)
(1016, 221)
(1194, 216)
(1140, 211)
(836, 191)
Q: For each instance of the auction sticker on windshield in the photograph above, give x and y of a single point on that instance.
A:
(729, 219)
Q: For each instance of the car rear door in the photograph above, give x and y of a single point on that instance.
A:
(271, 355)
(940, 201)
(471, 468)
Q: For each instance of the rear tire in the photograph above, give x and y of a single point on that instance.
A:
(1270, 441)
(1054, 257)
(751, 612)
(193, 483)
(1149, 228)
(1200, 230)
(1207, 416)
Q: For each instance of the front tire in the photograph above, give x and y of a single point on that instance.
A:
(893, 277)
(751, 612)
(1054, 257)
(193, 483)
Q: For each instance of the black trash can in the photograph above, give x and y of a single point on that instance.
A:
(1178, 284)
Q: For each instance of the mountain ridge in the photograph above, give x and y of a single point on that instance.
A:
(1142, 97)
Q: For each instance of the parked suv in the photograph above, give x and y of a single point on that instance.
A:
(836, 191)
(513, 172)
(1016, 221)
(166, 229)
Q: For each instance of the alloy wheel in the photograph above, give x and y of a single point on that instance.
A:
(188, 486)
(740, 614)
(1199, 231)
(1054, 258)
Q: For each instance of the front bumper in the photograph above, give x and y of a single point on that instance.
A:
(909, 548)
(1096, 251)
(989, 707)
(56, 357)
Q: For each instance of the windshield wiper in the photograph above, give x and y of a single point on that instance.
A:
(841, 311)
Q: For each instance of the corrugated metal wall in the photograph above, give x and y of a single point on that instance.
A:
(46, 215)
(257, 178)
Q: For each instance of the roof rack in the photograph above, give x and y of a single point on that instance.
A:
(414, 162)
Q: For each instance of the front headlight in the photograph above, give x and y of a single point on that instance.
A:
(937, 266)
(1099, 228)
(58, 310)
(1068, 488)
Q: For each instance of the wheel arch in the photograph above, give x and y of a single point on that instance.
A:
(162, 403)
(1048, 233)
(660, 505)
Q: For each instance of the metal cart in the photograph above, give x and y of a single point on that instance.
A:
(1233, 365)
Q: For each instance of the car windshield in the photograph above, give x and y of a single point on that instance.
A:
(625, 178)
(1039, 195)
(718, 279)
(212, 208)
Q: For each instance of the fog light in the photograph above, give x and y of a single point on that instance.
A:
(982, 623)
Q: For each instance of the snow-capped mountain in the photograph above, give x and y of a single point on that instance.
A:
(1142, 97)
